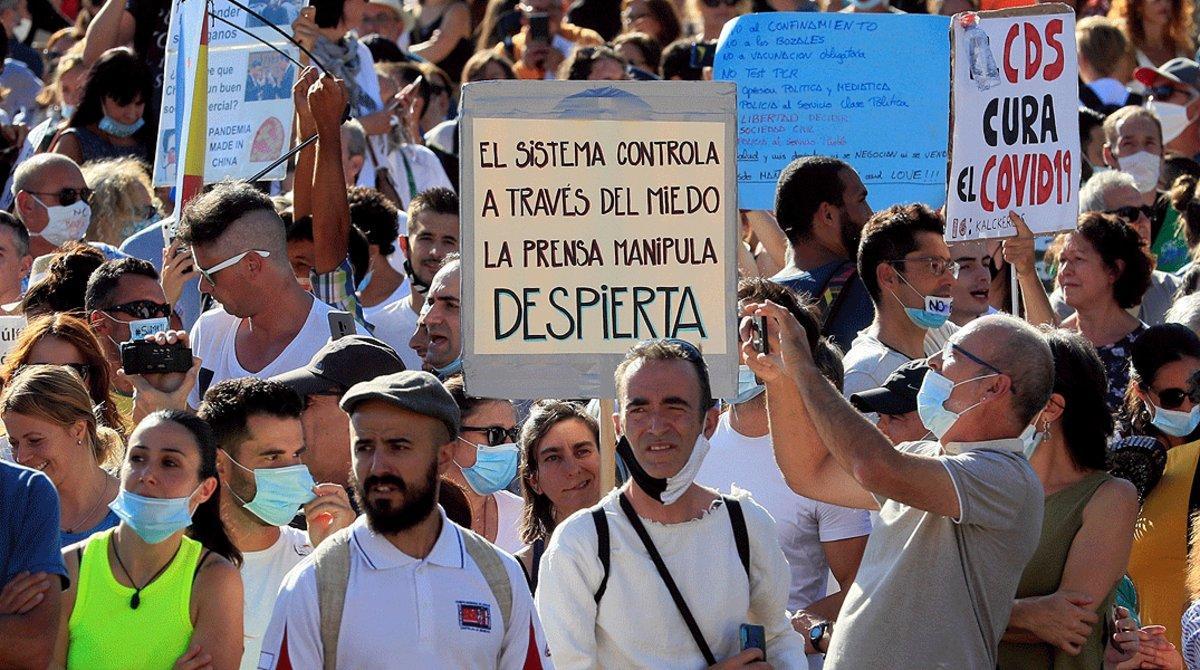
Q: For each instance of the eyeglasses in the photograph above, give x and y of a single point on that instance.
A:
(207, 273)
(937, 266)
(141, 309)
(495, 434)
(68, 196)
(1132, 213)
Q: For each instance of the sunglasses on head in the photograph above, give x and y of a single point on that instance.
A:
(142, 309)
(68, 196)
(495, 434)
(1131, 213)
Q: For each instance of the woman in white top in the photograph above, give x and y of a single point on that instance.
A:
(1159, 30)
(486, 458)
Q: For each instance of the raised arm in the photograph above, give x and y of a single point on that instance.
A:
(863, 453)
(111, 27)
(302, 180)
(331, 221)
(1018, 252)
(455, 26)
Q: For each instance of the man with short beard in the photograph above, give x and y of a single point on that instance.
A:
(404, 587)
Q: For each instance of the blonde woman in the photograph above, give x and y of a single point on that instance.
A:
(123, 200)
(59, 97)
(52, 427)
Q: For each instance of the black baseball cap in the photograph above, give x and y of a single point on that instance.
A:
(342, 363)
(898, 395)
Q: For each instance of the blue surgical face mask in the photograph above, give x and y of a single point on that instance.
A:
(933, 315)
(931, 403)
(280, 492)
(67, 110)
(1031, 439)
(1175, 423)
(494, 467)
(452, 368)
(118, 129)
(153, 519)
(748, 386)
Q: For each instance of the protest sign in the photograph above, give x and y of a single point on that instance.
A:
(10, 330)
(595, 215)
(248, 97)
(868, 89)
(1015, 122)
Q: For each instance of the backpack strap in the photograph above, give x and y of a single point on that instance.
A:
(603, 550)
(487, 558)
(331, 559)
(833, 295)
(741, 538)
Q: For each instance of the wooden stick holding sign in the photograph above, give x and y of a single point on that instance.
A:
(608, 447)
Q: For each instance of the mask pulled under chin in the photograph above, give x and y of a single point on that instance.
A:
(670, 490)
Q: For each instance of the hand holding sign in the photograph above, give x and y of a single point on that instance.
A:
(1018, 251)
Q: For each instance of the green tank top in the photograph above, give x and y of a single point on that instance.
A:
(1062, 520)
(106, 633)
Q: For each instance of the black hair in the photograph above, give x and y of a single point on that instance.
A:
(667, 16)
(64, 285)
(102, 285)
(1079, 377)
(650, 47)
(359, 247)
(20, 232)
(329, 12)
(384, 50)
(210, 214)
(228, 406)
(581, 62)
(1114, 240)
(668, 349)
(1156, 347)
(825, 354)
(803, 185)
(1089, 120)
(439, 200)
(373, 214)
(206, 527)
(677, 61)
(118, 74)
(891, 235)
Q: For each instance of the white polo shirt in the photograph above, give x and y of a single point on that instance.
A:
(404, 612)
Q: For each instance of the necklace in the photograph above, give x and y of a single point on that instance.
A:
(96, 506)
(136, 600)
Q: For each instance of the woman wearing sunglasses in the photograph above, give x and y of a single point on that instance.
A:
(485, 458)
(1103, 272)
(51, 426)
(657, 18)
(709, 16)
(560, 473)
(161, 589)
(61, 339)
(1159, 452)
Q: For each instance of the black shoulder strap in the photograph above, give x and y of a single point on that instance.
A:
(741, 538)
(668, 581)
(200, 563)
(535, 555)
(602, 548)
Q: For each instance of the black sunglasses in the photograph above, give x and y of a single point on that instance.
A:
(142, 309)
(1131, 213)
(495, 434)
(1172, 398)
(1162, 92)
(68, 196)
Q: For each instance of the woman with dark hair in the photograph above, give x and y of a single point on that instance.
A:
(485, 459)
(594, 64)
(59, 280)
(560, 473)
(1069, 585)
(442, 35)
(1159, 452)
(1103, 272)
(162, 589)
(109, 123)
(640, 51)
(657, 18)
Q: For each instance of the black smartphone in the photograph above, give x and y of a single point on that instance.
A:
(341, 324)
(139, 357)
(753, 636)
(539, 27)
(758, 337)
(703, 55)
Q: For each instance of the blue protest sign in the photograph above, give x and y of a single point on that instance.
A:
(872, 90)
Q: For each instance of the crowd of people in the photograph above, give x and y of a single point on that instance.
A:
(1012, 484)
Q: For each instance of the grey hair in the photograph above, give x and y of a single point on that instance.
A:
(1019, 350)
(1091, 196)
(30, 171)
(355, 138)
(1186, 311)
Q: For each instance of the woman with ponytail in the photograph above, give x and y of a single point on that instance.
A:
(162, 589)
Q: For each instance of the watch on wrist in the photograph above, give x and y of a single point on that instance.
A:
(819, 633)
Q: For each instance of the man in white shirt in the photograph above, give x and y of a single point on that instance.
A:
(439, 328)
(909, 275)
(433, 230)
(625, 616)
(415, 590)
(267, 324)
(378, 220)
(256, 425)
(959, 516)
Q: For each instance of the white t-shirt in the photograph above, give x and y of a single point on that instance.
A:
(400, 293)
(215, 333)
(427, 171)
(748, 464)
(508, 521)
(395, 325)
(869, 361)
(262, 573)
(404, 612)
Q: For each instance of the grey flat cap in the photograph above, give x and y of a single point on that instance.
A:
(414, 391)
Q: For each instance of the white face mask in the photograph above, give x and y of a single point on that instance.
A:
(21, 30)
(65, 224)
(1144, 167)
(1173, 117)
